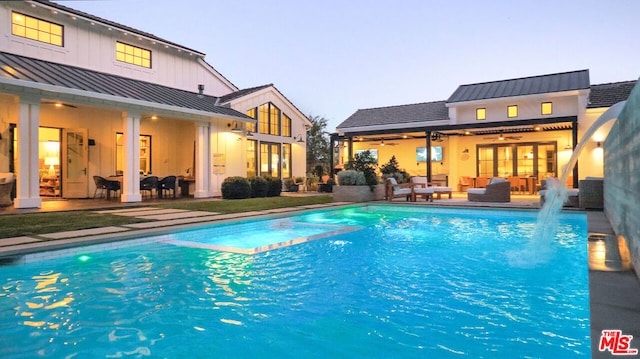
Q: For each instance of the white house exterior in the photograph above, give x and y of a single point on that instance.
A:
(82, 96)
(525, 127)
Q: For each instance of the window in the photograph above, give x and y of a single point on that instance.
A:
(286, 126)
(547, 108)
(537, 159)
(270, 159)
(512, 111)
(269, 119)
(145, 153)
(481, 113)
(133, 55)
(36, 29)
(252, 158)
(251, 127)
(286, 160)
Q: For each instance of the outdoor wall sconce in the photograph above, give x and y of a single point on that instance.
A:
(598, 144)
(249, 134)
(235, 127)
(299, 139)
(466, 150)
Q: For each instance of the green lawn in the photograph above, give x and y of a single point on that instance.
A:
(14, 225)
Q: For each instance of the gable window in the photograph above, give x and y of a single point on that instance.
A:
(133, 55)
(269, 119)
(512, 111)
(251, 127)
(546, 108)
(36, 29)
(286, 126)
(481, 113)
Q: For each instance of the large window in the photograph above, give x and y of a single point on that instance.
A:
(286, 160)
(269, 119)
(270, 159)
(251, 127)
(133, 55)
(518, 159)
(145, 154)
(286, 125)
(36, 29)
(252, 158)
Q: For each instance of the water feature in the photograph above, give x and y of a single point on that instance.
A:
(556, 195)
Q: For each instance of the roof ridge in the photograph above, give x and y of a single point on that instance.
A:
(524, 77)
(615, 83)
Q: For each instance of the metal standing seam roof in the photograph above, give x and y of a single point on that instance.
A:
(243, 92)
(607, 95)
(44, 72)
(566, 81)
(393, 115)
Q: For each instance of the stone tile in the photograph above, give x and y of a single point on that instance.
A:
(179, 215)
(155, 211)
(126, 210)
(84, 232)
(17, 240)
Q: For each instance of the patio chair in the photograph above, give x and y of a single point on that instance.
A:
(419, 181)
(464, 183)
(393, 189)
(103, 184)
(149, 184)
(497, 190)
(6, 185)
(167, 184)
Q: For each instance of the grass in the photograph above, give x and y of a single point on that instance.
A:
(15, 225)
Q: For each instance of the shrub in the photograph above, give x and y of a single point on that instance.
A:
(274, 186)
(236, 188)
(390, 167)
(258, 187)
(364, 162)
(351, 178)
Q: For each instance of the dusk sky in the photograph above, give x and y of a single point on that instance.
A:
(333, 57)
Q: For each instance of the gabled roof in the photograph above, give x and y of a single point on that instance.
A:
(566, 81)
(420, 112)
(112, 24)
(607, 95)
(240, 93)
(16, 67)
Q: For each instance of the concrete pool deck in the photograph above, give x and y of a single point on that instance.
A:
(614, 291)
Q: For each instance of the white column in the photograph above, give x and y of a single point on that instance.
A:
(28, 177)
(203, 161)
(131, 175)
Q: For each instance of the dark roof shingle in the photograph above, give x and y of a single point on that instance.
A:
(44, 72)
(607, 95)
(566, 81)
(392, 115)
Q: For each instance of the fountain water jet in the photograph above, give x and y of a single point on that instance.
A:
(538, 248)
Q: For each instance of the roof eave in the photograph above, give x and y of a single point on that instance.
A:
(47, 89)
(576, 92)
(394, 126)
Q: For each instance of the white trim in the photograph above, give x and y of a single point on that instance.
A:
(217, 74)
(544, 95)
(278, 94)
(394, 126)
(115, 99)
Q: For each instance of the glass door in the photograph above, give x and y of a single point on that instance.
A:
(75, 152)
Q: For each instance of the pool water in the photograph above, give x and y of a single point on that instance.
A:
(405, 283)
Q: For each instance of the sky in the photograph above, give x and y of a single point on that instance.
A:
(333, 57)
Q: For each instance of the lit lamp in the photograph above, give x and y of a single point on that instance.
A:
(51, 161)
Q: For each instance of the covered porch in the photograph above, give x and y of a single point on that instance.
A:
(62, 125)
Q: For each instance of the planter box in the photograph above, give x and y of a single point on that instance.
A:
(358, 193)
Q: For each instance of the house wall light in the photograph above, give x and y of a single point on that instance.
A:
(299, 138)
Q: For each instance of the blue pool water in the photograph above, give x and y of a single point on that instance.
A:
(405, 282)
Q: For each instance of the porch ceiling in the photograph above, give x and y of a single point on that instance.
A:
(55, 81)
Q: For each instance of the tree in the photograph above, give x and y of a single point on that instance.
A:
(317, 144)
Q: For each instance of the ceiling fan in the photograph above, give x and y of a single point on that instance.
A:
(382, 143)
(58, 104)
(502, 137)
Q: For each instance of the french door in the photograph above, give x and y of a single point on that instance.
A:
(75, 160)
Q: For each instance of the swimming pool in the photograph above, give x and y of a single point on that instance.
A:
(399, 282)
